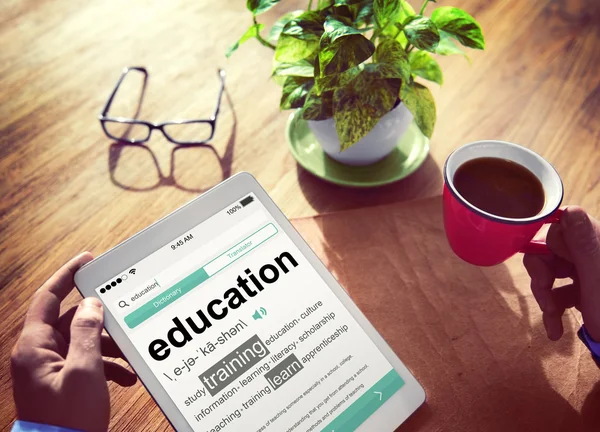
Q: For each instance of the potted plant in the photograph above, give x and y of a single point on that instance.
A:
(352, 68)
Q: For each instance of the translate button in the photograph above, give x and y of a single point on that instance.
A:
(240, 249)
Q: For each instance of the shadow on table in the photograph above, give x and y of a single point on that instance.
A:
(326, 197)
(590, 411)
(465, 332)
(193, 168)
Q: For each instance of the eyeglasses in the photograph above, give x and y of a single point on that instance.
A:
(136, 131)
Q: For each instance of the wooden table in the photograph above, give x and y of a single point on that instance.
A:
(65, 187)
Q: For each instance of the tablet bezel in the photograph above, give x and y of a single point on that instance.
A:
(126, 254)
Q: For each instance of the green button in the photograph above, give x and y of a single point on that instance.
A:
(164, 299)
(361, 409)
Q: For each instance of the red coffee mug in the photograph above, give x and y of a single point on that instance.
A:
(485, 239)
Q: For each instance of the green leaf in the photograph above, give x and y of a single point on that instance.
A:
(303, 68)
(252, 32)
(419, 101)
(347, 9)
(384, 71)
(322, 4)
(318, 107)
(300, 38)
(290, 49)
(402, 39)
(447, 46)
(386, 11)
(277, 28)
(305, 26)
(395, 32)
(294, 92)
(422, 33)
(346, 2)
(460, 25)
(391, 52)
(364, 14)
(331, 82)
(345, 14)
(423, 65)
(342, 47)
(406, 10)
(404, 13)
(359, 106)
(260, 6)
(336, 28)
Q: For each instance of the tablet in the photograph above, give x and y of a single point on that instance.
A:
(233, 324)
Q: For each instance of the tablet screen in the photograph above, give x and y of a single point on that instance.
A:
(244, 334)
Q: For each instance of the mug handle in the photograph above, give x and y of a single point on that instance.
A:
(539, 246)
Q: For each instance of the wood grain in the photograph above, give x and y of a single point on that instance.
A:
(65, 187)
(472, 336)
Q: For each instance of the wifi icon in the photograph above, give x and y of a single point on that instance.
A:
(259, 313)
(132, 271)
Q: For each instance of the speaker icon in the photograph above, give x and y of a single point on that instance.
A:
(259, 313)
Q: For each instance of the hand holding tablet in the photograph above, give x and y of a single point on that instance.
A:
(58, 374)
(232, 323)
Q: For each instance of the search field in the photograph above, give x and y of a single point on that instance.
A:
(200, 275)
(126, 302)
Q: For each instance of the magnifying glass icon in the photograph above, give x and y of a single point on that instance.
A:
(123, 304)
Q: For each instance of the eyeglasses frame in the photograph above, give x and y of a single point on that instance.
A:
(104, 117)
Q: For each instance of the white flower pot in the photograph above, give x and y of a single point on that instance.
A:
(376, 145)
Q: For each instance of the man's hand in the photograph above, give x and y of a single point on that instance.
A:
(575, 246)
(59, 376)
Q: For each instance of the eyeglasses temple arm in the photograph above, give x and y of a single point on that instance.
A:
(222, 76)
(121, 78)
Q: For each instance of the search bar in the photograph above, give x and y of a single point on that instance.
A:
(127, 301)
(200, 275)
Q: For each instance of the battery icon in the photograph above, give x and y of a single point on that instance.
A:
(247, 201)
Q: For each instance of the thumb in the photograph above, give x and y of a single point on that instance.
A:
(86, 329)
(582, 241)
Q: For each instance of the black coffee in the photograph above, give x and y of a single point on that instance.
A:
(500, 187)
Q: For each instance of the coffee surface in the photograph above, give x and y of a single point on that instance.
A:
(500, 187)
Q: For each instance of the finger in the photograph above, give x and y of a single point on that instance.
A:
(61, 283)
(107, 346)
(556, 242)
(561, 268)
(86, 328)
(567, 296)
(553, 324)
(45, 306)
(119, 374)
(581, 237)
(582, 240)
(542, 280)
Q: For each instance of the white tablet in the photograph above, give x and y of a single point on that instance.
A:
(233, 324)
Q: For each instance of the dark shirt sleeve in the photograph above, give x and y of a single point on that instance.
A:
(24, 426)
